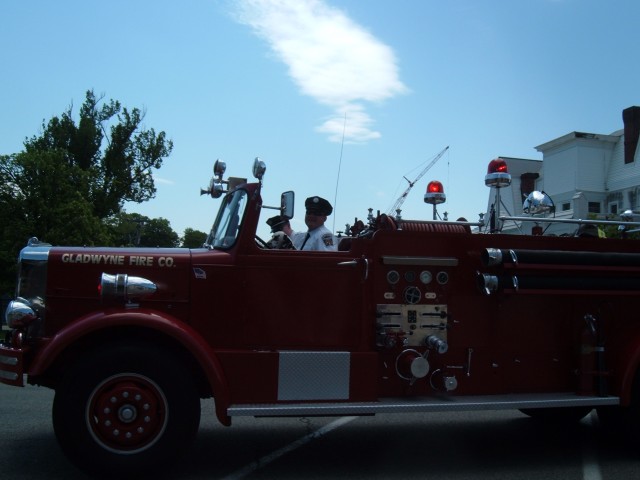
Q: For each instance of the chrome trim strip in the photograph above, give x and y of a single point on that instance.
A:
(5, 360)
(570, 220)
(430, 261)
(8, 375)
(35, 253)
(423, 404)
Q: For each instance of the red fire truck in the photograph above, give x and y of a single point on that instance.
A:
(405, 316)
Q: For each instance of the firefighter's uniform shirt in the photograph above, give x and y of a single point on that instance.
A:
(320, 238)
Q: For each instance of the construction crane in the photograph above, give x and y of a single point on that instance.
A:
(400, 201)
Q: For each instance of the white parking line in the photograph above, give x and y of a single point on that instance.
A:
(267, 459)
(590, 465)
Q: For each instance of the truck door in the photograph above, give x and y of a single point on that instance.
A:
(304, 300)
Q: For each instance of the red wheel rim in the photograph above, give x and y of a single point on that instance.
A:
(127, 413)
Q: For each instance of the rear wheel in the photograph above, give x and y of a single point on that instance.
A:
(126, 411)
(624, 421)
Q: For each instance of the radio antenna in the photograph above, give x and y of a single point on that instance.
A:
(335, 195)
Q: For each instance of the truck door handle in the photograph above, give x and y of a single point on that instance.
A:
(354, 263)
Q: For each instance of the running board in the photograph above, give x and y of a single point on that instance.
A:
(422, 404)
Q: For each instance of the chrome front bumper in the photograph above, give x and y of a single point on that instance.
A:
(11, 365)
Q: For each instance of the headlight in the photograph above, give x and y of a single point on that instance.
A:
(19, 313)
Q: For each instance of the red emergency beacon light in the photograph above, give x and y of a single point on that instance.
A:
(435, 193)
(497, 174)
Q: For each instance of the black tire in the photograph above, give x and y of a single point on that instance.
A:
(614, 418)
(623, 421)
(126, 411)
(560, 415)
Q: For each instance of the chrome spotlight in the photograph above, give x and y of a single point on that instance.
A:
(538, 203)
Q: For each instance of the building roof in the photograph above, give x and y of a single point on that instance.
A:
(588, 173)
(570, 137)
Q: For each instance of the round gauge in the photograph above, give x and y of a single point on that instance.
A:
(426, 277)
(412, 295)
(393, 277)
(442, 277)
(410, 276)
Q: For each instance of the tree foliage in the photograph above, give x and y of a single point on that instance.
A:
(75, 175)
(37, 199)
(135, 230)
(193, 238)
(122, 170)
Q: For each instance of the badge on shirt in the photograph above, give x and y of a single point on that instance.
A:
(327, 240)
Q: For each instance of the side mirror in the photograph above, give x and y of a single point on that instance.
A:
(287, 200)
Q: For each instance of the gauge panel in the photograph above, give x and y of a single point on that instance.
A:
(426, 277)
(413, 323)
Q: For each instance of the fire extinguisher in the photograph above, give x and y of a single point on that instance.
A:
(587, 355)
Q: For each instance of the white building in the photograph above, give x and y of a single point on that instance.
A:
(587, 175)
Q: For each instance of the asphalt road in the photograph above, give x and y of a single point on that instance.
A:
(474, 445)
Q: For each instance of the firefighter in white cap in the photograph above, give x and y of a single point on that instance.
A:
(318, 237)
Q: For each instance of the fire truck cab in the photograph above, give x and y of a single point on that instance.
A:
(404, 316)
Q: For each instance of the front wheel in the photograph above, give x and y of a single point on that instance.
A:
(126, 411)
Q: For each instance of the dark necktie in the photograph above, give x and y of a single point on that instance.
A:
(305, 240)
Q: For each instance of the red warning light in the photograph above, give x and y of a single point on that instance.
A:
(435, 187)
(497, 174)
(435, 193)
(497, 165)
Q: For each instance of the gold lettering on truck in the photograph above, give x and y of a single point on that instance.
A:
(103, 259)
(97, 259)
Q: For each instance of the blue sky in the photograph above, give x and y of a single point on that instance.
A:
(237, 79)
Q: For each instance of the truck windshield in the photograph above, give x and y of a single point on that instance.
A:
(227, 225)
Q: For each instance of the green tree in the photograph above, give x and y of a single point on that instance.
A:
(157, 232)
(36, 199)
(75, 175)
(109, 177)
(193, 238)
(125, 228)
(135, 230)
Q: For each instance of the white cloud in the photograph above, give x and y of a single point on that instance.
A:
(351, 122)
(330, 58)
